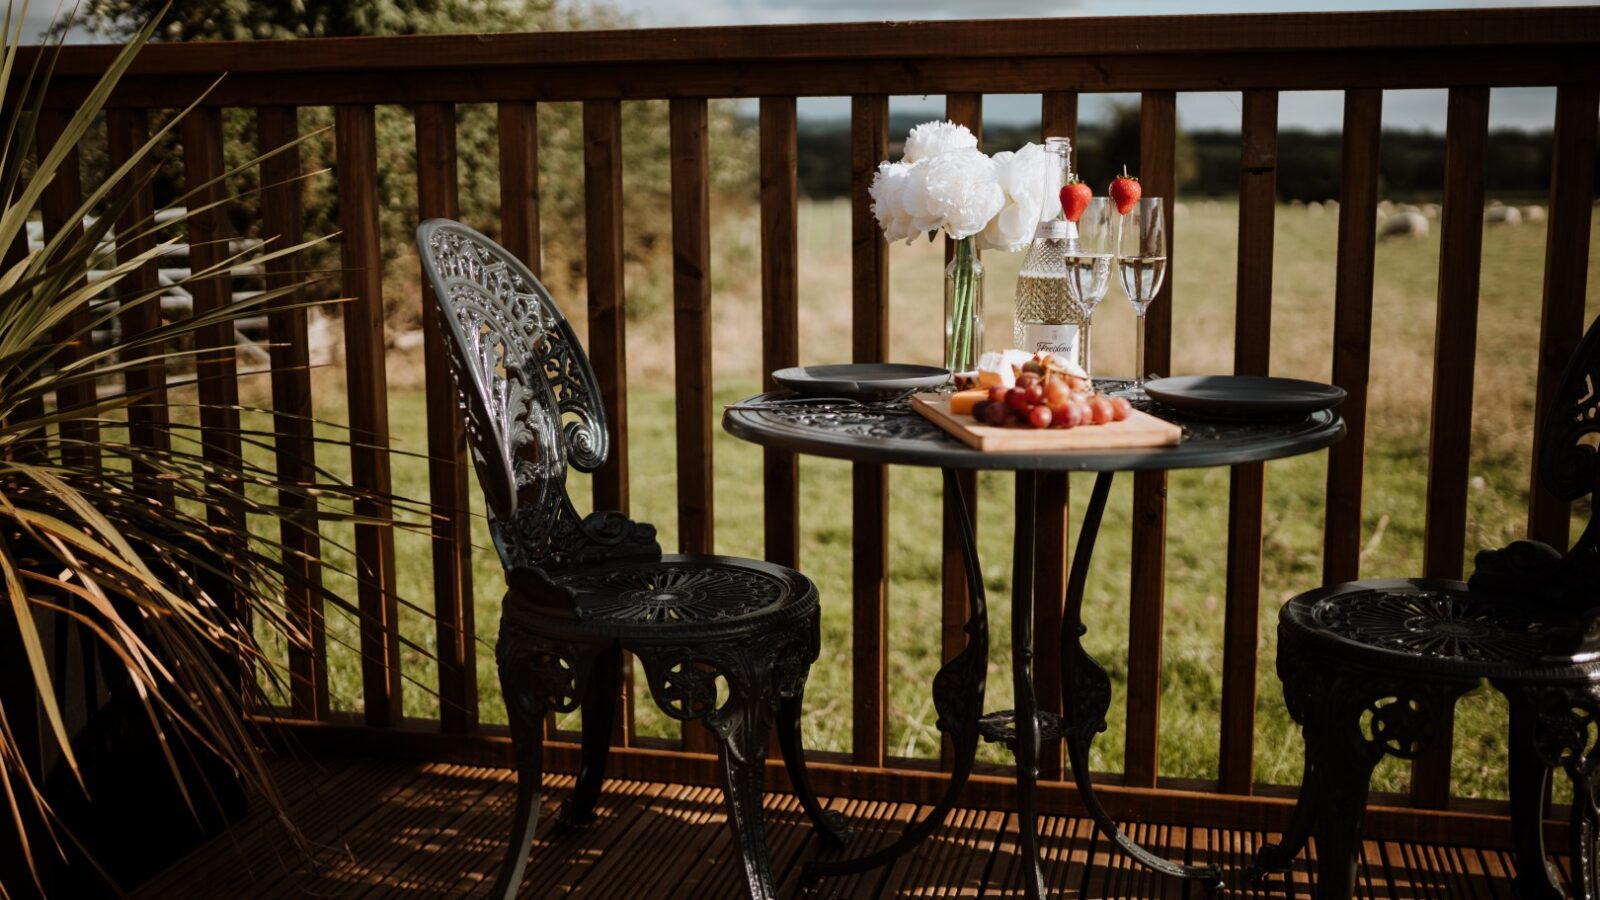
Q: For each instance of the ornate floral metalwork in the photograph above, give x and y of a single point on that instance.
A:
(1437, 624)
(531, 403)
(672, 592)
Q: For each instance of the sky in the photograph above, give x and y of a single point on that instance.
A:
(1526, 108)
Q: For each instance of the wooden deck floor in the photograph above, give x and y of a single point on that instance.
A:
(391, 829)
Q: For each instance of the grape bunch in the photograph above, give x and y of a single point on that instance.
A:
(1046, 400)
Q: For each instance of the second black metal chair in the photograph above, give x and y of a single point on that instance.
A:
(583, 588)
(1374, 668)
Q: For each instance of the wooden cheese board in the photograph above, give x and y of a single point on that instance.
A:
(1140, 429)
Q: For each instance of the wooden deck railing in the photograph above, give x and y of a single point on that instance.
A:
(1361, 54)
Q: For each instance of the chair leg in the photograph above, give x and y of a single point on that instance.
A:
(830, 825)
(599, 712)
(741, 726)
(1343, 778)
(1529, 778)
(526, 710)
(1279, 857)
(1584, 831)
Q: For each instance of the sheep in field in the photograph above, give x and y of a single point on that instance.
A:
(1503, 215)
(1406, 224)
(1533, 213)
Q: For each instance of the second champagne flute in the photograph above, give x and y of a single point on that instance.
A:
(1142, 263)
(1088, 263)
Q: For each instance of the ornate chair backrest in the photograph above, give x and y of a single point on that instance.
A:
(529, 395)
(1570, 461)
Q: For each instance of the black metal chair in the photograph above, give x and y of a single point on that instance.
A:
(581, 589)
(1374, 668)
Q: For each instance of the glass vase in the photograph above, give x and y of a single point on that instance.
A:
(963, 308)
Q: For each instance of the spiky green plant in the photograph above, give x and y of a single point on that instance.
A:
(108, 532)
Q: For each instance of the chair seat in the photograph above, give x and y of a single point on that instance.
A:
(668, 598)
(1437, 626)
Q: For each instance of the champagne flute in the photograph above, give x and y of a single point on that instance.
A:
(1142, 261)
(1088, 262)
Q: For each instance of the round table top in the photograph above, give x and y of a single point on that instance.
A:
(891, 432)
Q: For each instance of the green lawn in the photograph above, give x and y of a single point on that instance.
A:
(1204, 269)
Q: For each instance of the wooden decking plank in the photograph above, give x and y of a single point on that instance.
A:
(272, 854)
(388, 829)
(384, 841)
(268, 852)
(296, 778)
(470, 850)
(564, 861)
(1064, 843)
(876, 823)
(677, 825)
(437, 857)
(958, 850)
(336, 823)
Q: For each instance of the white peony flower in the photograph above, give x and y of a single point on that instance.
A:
(888, 201)
(955, 191)
(933, 138)
(1025, 177)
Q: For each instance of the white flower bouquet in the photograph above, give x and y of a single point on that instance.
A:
(943, 182)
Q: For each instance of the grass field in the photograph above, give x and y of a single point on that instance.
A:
(1204, 262)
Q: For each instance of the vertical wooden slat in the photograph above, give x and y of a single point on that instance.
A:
(1052, 526)
(294, 438)
(962, 109)
(780, 312)
(519, 181)
(1258, 159)
(1450, 445)
(691, 320)
(602, 187)
(1566, 265)
(437, 197)
(1157, 149)
(127, 130)
(1352, 330)
(869, 144)
(216, 370)
(1460, 247)
(58, 208)
(367, 383)
(602, 190)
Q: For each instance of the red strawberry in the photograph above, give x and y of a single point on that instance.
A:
(1125, 191)
(1075, 199)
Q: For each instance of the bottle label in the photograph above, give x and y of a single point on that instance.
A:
(1061, 339)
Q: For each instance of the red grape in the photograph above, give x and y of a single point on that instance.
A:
(1120, 408)
(1039, 417)
(1069, 415)
(1027, 380)
(997, 394)
(995, 414)
(1100, 409)
(978, 409)
(1035, 393)
(1017, 399)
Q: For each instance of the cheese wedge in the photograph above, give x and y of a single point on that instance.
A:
(961, 402)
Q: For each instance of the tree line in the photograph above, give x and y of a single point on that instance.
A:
(1410, 167)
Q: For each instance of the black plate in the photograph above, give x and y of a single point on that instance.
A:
(861, 380)
(1244, 396)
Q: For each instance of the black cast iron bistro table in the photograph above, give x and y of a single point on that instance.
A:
(891, 432)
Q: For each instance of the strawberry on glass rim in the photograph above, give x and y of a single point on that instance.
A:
(1125, 191)
(1075, 197)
